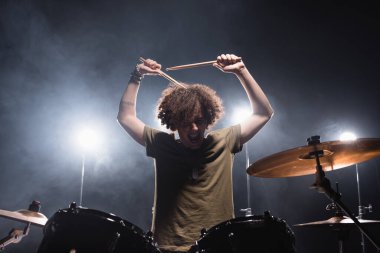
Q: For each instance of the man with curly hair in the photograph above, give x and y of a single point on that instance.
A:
(193, 183)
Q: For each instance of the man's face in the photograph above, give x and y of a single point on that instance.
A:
(192, 132)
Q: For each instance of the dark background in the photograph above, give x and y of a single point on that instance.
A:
(65, 64)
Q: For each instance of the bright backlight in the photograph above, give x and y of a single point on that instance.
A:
(88, 139)
(347, 136)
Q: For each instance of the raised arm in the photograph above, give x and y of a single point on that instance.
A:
(261, 109)
(127, 109)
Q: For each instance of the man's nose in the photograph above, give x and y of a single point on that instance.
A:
(194, 126)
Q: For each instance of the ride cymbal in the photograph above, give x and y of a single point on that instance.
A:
(24, 215)
(299, 161)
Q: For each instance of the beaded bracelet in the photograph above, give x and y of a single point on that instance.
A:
(136, 76)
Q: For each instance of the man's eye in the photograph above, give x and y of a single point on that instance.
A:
(200, 121)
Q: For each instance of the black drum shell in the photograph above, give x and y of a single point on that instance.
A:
(89, 230)
(257, 233)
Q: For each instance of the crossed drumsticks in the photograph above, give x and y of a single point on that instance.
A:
(192, 65)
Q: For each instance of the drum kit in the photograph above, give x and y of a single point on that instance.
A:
(81, 230)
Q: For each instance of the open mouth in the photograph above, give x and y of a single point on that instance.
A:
(194, 137)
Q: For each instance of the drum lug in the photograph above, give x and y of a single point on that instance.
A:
(122, 223)
(73, 205)
(267, 215)
(149, 236)
(203, 232)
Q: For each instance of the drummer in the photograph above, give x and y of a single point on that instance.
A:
(194, 171)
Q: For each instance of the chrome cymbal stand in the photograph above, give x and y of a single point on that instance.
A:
(341, 233)
(322, 185)
(361, 209)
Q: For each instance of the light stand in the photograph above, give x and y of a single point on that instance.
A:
(248, 210)
(82, 180)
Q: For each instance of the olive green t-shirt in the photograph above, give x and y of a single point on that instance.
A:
(193, 188)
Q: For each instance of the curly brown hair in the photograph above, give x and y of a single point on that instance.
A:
(182, 104)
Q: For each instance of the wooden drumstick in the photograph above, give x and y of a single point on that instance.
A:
(194, 65)
(164, 75)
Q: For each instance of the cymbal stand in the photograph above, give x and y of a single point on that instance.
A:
(14, 236)
(334, 206)
(361, 209)
(322, 185)
(342, 233)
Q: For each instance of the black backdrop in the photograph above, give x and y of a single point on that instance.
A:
(64, 64)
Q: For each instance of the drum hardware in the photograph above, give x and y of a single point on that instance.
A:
(364, 210)
(14, 236)
(328, 155)
(322, 185)
(30, 217)
(339, 223)
(150, 237)
(346, 221)
(361, 209)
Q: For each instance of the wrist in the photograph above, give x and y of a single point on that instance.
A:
(240, 71)
(136, 76)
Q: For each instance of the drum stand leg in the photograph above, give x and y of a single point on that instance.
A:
(322, 185)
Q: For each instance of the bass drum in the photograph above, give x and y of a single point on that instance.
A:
(82, 230)
(258, 234)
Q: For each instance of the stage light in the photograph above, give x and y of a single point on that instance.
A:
(88, 139)
(240, 114)
(347, 136)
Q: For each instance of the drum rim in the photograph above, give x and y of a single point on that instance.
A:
(262, 218)
(104, 216)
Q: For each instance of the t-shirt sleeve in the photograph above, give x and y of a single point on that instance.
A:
(149, 137)
(156, 140)
(233, 139)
